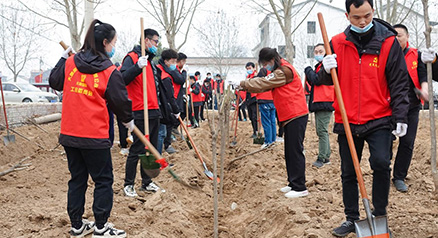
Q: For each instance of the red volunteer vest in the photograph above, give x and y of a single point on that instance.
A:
(135, 88)
(323, 93)
(265, 96)
(250, 76)
(220, 85)
(176, 87)
(84, 102)
(363, 81)
(242, 95)
(412, 62)
(197, 97)
(289, 99)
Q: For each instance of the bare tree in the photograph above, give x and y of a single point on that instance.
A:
(18, 43)
(172, 15)
(73, 10)
(219, 35)
(395, 11)
(126, 40)
(284, 11)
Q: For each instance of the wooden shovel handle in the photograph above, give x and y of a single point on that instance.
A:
(191, 140)
(64, 46)
(347, 129)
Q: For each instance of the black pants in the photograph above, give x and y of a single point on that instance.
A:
(294, 132)
(242, 111)
(280, 128)
(201, 111)
(138, 148)
(123, 134)
(406, 146)
(168, 138)
(252, 113)
(97, 163)
(196, 114)
(379, 143)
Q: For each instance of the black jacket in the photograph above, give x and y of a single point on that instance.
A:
(130, 71)
(207, 90)
(180, 78)
(168, 86)
(196, 89)
(414, 101)
(396, 75)
(115, 95)
(312, 78)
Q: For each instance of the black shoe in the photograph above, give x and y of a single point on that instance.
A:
(327, 161)
(346, 228)
(400, 185)
(318, 163)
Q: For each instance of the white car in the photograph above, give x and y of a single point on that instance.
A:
(17, 92)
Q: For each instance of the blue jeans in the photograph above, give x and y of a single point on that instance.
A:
(162, 132)
(267, 113)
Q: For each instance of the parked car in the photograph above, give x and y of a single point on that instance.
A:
(22, 91)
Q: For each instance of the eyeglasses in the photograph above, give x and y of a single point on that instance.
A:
(156, 41)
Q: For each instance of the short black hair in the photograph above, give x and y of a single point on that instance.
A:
(402, 27)
(197, 73)
(356, 3)
(208, 73)
(149, 33)
(169, 54)
(192, 77)
(250, 64)
(319, 44)
(181, 56)
(218, 75)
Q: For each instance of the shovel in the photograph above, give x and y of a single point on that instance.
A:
(376, 227)
(234, 142)
(8, 138)
(206, 171)
(260, 139)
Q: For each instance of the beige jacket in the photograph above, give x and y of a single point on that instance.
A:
(281, 76)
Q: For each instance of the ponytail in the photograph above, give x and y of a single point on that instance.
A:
(267, 54)
(95, 36)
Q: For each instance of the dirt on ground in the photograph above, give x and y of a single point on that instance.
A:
(33, 200)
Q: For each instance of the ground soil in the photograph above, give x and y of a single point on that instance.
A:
(33, 200)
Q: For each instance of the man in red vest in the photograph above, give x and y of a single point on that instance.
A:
(374, 82)
(418, 90)
(320, 102)
(131, 70)
(218, 88)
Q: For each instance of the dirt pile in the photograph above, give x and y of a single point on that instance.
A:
(33, 201)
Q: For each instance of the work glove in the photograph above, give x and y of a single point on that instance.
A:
(177, 115)
(190, 89)
(428, 56)
(329, 62)
(143, 61)
(66, 52)
(185, 98)
(129, 125)
(401, 129)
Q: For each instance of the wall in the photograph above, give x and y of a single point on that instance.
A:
(19, 113)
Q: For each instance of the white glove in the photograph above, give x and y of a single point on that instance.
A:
(66, 52)
(401, 130)
(329, 62)
(143, 61)
(186, 68)
(190, 89)
(130, 125)
(428, 55)
(177, 115)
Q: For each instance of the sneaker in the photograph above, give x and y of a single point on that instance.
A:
(244, 119)
(400, 185)
(279, 139)
(150, 188)
(108, 231)
(253, 136)
(327, 161)
(130, 191)
(318, 163)
(124, 151)
(285, 189)
(86, 228)
(295, 194)
(265, 145)
(344, 229)
(171, 150)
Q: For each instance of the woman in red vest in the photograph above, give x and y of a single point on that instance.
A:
(90, 81)
(265, 101)
(195, 91)
(290, 102)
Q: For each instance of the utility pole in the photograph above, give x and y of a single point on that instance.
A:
(89, 13)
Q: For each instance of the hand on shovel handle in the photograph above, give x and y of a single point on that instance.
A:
(151, 148)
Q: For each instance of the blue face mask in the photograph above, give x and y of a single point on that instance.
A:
(269, 67)
(153, 49)
(319, 57)
(172, 67)
(249, 71)
(111, 53)
(361, 30)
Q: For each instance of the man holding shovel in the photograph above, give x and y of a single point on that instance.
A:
(374, 81)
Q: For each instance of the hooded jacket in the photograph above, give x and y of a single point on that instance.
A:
(88, 113)
(169, 85)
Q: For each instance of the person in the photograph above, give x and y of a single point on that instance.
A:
(206, 92)
(265, 101)
(132, 67)
(183, 70)
(373, 78)
(251, 100)
(418, 89)
(195, 94)
(320, 102)
(218, 87)
(242, 111)
(172, 86)
(430, 56)
(89, 81)
(289, 99)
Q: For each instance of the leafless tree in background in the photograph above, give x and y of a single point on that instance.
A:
(173, 16)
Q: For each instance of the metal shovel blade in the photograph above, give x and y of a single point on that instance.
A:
(8, 139)
(209, 173)
(378, 226)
